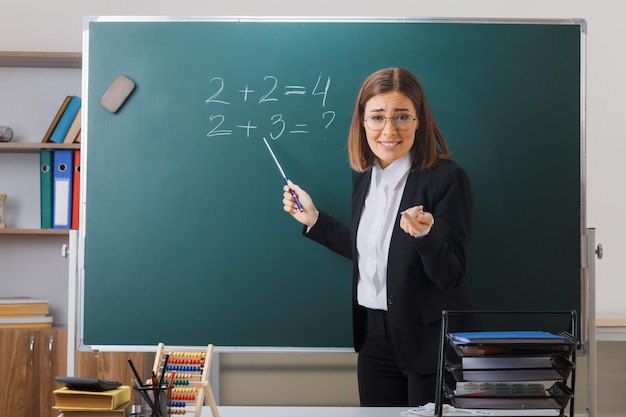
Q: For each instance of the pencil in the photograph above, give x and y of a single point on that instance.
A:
(132, 366)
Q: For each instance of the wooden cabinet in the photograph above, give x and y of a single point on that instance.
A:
(29, 361)
(31, 358)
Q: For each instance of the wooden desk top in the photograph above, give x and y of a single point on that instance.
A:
(610, 322)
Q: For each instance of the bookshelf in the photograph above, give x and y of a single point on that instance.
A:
(31, 257)
(27, 148)
(25, 63)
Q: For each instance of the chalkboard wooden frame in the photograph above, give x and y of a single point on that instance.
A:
(156, 228)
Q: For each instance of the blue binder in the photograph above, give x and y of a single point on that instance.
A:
(59, 132)
(521, 336)
(62, 189)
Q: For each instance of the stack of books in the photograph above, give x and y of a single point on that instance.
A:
(60, 169)
(65, 126)
(24, 312)
(84, 403)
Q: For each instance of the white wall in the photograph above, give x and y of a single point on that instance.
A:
(35, 25)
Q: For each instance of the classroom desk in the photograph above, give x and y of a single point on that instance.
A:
(249, 411)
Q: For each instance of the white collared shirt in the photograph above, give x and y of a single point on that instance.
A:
(380, 212)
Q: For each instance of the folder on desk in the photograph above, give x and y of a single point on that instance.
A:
(76, 190)
(62, 188)
(45, 184)
(500, 337)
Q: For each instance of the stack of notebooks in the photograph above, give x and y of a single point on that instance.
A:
(24, 312)
(60, 169)
(85, 403)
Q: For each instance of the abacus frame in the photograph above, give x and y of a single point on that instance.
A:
(201, 383)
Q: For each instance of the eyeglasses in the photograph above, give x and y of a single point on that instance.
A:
(400, 121)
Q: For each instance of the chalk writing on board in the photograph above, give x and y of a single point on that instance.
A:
(268, 89)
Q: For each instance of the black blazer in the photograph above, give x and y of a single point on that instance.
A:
(424, 275)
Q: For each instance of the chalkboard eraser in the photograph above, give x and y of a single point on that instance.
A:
(117, 93)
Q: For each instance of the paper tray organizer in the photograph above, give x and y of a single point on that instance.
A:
(560, 368)
(493, 360)
(557, 397)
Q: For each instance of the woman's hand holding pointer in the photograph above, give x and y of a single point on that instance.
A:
(308, 215)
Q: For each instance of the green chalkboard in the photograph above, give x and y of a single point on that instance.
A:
(185, 239)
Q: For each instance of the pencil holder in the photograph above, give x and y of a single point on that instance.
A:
(154, 400)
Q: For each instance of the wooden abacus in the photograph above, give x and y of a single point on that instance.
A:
(188, 368)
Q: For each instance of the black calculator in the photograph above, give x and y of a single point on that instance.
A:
(87, 384)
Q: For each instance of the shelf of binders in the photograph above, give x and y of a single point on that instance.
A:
(15, 147)
(25, 59)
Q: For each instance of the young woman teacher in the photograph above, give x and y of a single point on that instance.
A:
(408, 238)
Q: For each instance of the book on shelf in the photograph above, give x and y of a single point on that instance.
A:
(64, 123)
(69, 399)
(72, 132)
(23, 306)
(123, 410)
(26, 322)
(522, 336)
(55, 120)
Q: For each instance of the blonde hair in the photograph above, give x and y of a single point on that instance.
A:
(429, 143)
